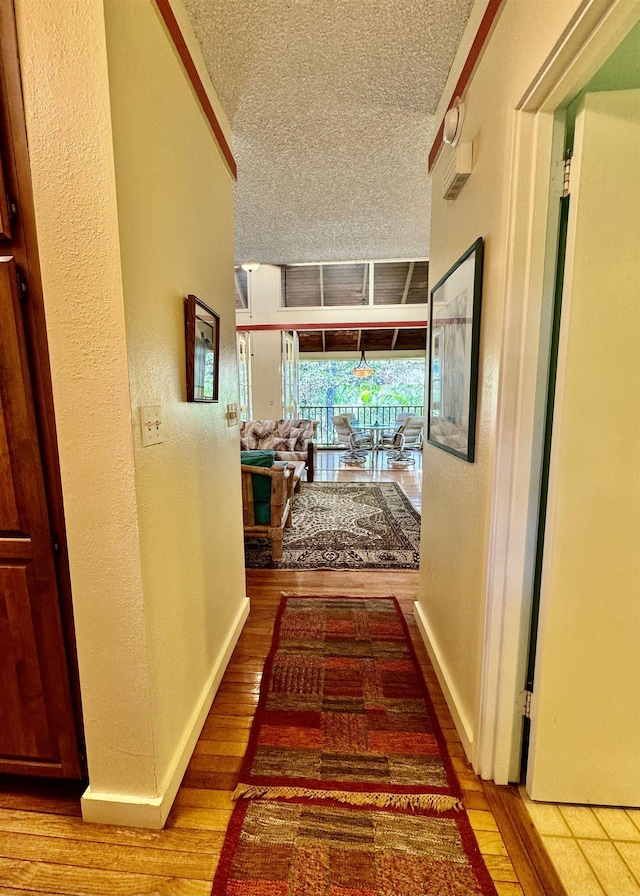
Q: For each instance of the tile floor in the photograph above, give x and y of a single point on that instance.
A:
(595, 850)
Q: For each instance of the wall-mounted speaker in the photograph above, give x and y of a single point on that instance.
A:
(457, 169)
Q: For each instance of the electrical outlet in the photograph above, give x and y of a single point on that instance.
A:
(151, 422)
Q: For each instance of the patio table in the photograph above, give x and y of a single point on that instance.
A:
(374, 430)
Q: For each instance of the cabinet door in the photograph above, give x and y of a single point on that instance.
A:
(37, 727)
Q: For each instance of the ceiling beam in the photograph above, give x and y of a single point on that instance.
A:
(364, 285)
(405, 292)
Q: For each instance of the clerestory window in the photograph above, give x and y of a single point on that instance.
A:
(355, 283)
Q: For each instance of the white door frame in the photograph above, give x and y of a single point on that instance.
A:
(535, 187)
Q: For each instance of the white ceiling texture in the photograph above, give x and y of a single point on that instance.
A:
(331, 105)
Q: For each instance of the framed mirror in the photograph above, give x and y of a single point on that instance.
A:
(202, 335)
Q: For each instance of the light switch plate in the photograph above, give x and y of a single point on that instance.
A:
(151, 422)
(232, 414)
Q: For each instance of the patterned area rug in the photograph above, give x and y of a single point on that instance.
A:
(347, 786)
(344, 711)
(346, 525)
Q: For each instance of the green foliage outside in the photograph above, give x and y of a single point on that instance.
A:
(331, 383)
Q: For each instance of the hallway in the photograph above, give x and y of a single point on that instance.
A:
(45, 847)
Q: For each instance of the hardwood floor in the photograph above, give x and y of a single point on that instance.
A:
(46, 848)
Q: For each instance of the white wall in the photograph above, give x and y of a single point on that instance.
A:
(155, 552)
(266, 375)
(457, 496)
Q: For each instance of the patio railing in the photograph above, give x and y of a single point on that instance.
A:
(364, 415)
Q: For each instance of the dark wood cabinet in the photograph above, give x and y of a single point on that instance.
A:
(35, 735)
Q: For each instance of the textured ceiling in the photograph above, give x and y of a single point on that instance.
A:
(331, 106)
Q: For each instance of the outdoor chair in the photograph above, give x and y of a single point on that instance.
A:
(357, 443)
(407, 436)
(402, 418)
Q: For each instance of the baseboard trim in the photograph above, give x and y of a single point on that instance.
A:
(145, 812)
(460, 720)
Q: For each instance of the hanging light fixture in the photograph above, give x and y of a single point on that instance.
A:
(362, 368)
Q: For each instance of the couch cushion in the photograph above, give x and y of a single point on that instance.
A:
(269, 434)
(287, 456)
(257, 458)
(261, 484)
(282, 445)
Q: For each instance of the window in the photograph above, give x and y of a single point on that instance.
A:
(244, 375)
(355, 284)
(401, 283)
(290, 374)
(242, 295)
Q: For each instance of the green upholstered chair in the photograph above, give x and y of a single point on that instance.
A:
(267, 497)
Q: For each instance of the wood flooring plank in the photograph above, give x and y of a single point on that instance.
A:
(237, 705)
(217, 720)
(210, 780)
(208, 762)
(74, 829)
(535, 870)
(505, 888)
(238, 689)
(468, 781)
(475, 799)
(220, 748)
(10, 891)
(203, 819)
(30, 799)
(107, 856)
(24, 803)
(66, 880)
(234, 676)
(225, 735)
(482, 820)
(501, 868)
(491, 843)
(203, 799)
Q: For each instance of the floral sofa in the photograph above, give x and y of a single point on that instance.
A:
(292, 440)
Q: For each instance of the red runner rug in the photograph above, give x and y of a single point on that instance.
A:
(344, 712)
(302, 848)
(347, 784)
